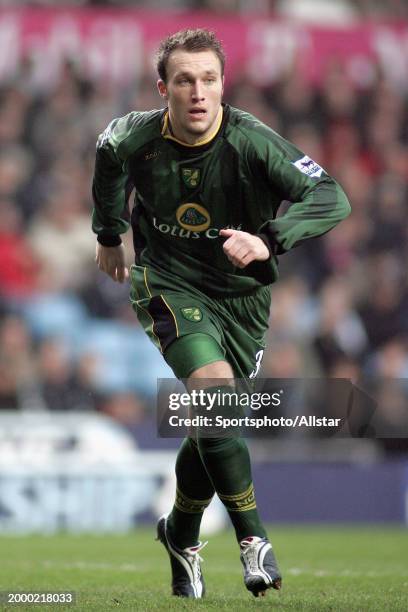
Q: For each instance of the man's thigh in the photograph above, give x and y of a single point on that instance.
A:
(220, 329)
(245, 323)
(167, 313)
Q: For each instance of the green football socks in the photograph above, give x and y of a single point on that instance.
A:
(193, 495)
(227, 461)
(220, 464)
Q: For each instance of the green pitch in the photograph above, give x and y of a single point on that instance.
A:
(324, 568)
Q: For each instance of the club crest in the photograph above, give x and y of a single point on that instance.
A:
(192, 314)
(191, 176)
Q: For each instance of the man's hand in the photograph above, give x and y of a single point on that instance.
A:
(242, 248)
(112, 261)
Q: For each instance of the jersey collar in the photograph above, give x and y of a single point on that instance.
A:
(166, 132)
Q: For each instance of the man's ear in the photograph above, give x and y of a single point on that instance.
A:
(223, 83)
(161, 86)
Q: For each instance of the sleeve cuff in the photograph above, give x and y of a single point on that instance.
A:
(109, 241)
(266, 234)
(268, 244)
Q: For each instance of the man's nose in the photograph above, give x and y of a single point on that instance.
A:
(198, 91)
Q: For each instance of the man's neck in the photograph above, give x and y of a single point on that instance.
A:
(192, 140)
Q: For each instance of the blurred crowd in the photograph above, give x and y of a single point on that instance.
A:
(68, 336)
(336, 10)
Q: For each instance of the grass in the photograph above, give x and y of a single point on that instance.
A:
(324, 568)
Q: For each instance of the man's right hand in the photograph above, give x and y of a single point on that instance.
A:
(111, 260)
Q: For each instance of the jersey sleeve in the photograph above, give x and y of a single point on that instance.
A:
(110, 184)
(317, 203)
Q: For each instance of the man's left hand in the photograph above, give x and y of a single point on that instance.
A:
(242, 248)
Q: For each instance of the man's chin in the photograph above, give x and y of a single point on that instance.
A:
(197, 129)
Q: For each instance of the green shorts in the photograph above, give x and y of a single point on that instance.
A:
(232, 329)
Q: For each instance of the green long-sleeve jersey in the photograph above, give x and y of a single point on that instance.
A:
(185, 194)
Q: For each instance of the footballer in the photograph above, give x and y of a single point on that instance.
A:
(209, 180)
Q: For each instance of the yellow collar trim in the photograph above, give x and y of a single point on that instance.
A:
(166, 132)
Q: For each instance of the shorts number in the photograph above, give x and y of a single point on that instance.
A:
(258, 361)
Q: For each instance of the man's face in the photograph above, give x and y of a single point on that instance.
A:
(193, 92)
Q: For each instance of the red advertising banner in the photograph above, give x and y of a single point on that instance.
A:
(119, 44)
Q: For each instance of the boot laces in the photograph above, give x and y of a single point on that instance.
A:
(193, 557)
(250, 555)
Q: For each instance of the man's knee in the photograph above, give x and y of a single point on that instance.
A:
(216, 375)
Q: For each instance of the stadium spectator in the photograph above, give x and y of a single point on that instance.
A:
(60, 240)
(18, 366)
(64, 385)
(18, 266)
